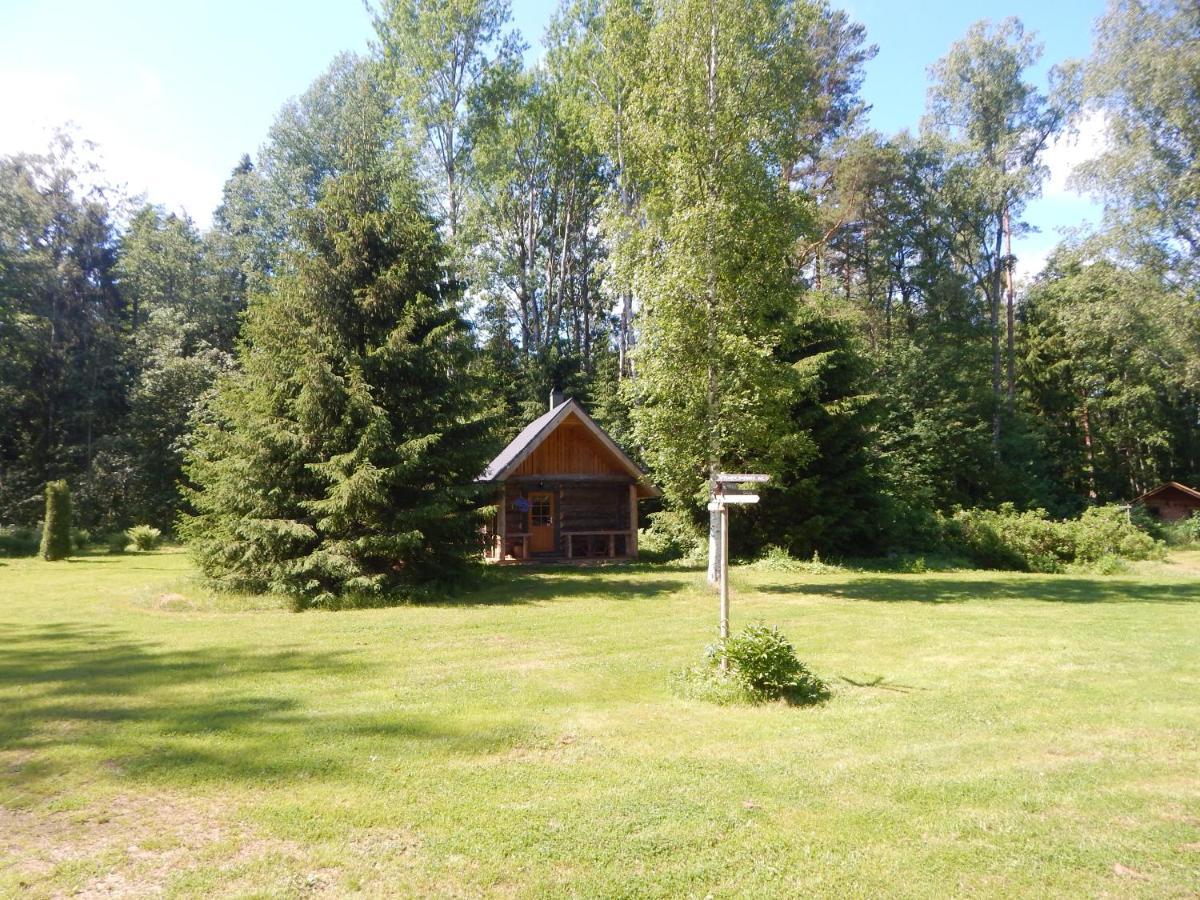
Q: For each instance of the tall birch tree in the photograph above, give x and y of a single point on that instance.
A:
(436, 54)
(997, 124)
(715, 123)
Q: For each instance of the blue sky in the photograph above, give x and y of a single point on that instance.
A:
(174, 93)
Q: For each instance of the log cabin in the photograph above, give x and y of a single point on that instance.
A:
(565, 490)
(1170, 502)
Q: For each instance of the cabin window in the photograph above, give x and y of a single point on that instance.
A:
(1156, 512)
(539, 511)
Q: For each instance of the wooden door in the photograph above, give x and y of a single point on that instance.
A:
(541, 522)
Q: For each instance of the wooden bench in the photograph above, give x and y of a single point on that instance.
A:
(610, 534)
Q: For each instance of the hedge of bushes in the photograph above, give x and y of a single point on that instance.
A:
(19, 540)
(1031, 541)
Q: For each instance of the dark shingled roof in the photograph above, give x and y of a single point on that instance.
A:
(537, 430)
(527, 436)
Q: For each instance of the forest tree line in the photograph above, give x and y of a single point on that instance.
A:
(680, 216)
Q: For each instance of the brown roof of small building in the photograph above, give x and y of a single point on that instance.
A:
(1183, 488)
(540, 428)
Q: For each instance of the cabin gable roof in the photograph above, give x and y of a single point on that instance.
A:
(1169, 486)
(534, 435)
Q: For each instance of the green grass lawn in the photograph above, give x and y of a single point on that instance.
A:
(988, 734)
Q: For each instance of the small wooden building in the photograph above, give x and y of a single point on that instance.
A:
(565, 490)
(1171, 501)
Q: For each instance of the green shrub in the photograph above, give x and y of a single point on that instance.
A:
(56, 529)
(762, 666)
(1107, 565)
(1109, 531)
(1006, 539)
(1184, 533)
(114, 541)
(671, 536)
(765, 662)
(1031, 542)
(777, 559)
(143, 538)
(18, 540)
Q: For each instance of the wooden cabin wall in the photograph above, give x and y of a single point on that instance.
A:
(1172, 505)
(514, 522)
(594, 507)
(571, 449)
(579, 506)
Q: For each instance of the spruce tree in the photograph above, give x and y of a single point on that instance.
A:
(338, 462)
(56, 529)
(826, 497)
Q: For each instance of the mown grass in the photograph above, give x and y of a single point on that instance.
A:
(988, 734)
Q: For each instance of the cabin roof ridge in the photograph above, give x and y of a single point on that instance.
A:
(533, 434)
(1169, 484)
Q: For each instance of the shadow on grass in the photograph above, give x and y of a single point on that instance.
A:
(1049, 589)
(497, 586)
(510, 585)
(221, 714)
(880, 683)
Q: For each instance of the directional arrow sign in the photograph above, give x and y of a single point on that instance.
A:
(725, 491)
(733, 498)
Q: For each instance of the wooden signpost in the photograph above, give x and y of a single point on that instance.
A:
(727, 489)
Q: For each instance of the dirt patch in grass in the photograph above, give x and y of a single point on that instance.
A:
(173, 602)
(133, 846)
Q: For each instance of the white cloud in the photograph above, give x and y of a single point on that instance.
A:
(1030, 262)
(1061, 210)
(1069, 150)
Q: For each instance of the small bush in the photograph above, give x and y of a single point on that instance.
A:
(143, 538)
(777, 559)
(114, 541)
(56, 529)
(1184, 533)
(1107, 565)
(17, 540)
(762, 666)
(1108, 531)
(671, 536)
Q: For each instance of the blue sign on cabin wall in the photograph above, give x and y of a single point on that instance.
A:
(521, 505)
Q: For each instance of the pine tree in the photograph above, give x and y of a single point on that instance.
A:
(56, 529)
(338, 464)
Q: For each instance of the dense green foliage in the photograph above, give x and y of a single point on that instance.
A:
(19, 540)
(1030, 541)
(107, 343)
(765, 662)
(56, 526)
(1143, 78)
(337, 462)
(679, 217)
